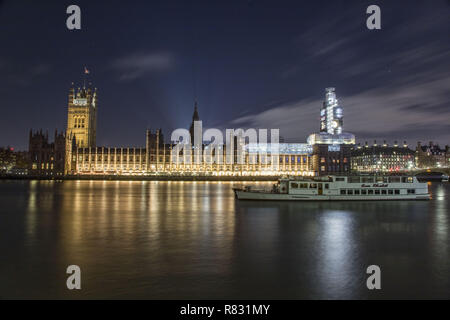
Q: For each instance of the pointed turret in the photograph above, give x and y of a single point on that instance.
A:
(195, 117)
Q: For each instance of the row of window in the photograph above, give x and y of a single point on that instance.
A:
(323, 160)
(79, 123)
(380, 179)
(43, 166)
(306, 185)
(374, 191)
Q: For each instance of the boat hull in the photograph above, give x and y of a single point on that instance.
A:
(249, 195)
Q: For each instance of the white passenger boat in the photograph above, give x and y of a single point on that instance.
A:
(340, 188)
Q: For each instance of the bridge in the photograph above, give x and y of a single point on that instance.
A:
(437, 170)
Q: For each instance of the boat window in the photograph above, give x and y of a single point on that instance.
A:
(391, 191)
(411, 191)
(370, 191)
(377, 191)
(397, 191)
(340, 179)
(343, 191)
(294, 185)
(383, 191)
(404, 179)
(379, 179)
(356, 191)
(394, 179)
(313, 185)
(363, 191)
(353, 179)
(385, 179)
(304, 185)
(367, 179)
(327, 185)
(349, 191)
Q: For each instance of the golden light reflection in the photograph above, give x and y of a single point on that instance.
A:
(152, 217)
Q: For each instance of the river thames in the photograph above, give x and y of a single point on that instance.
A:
(193, 240)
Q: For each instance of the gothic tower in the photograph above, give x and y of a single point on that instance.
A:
(195, 117)
(81, 121)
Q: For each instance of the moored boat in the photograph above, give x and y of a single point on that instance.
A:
(340, 188)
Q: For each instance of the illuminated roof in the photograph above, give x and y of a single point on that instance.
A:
(284, 148)
(326, 138)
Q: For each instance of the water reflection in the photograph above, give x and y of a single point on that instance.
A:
(194, 240)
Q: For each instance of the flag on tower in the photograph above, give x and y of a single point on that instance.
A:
(86, 71)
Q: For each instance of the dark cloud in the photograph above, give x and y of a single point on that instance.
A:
(21, 74)
(137, 65)
(258, 64)
(385, 91)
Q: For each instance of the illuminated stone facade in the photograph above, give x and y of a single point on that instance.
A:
(81, 121)
(157, 159)
(83, 157)
(432, 156)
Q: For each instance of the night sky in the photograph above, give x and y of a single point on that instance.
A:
(262, 64)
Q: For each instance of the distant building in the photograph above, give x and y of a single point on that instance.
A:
(12, 162)
(382, 158)
(45, 158)
(326, 152)
(331, 158)
(432, 156)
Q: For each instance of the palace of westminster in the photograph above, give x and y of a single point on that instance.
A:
(76, 153)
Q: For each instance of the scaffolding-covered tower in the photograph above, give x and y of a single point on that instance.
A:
(331, 114)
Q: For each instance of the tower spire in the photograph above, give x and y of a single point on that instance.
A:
(195, 117)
